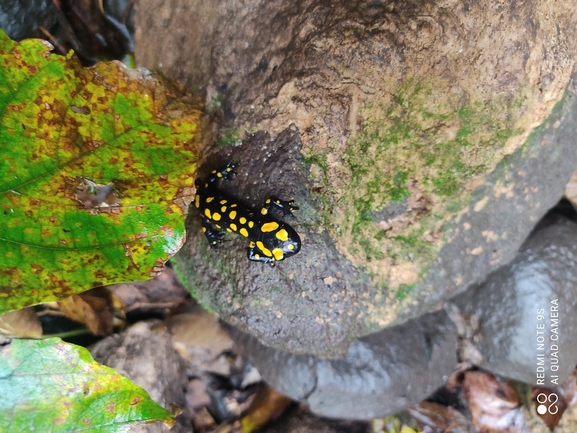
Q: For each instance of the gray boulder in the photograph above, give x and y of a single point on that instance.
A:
(381, 374)
(526, 310)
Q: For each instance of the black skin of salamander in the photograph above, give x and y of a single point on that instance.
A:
(267, 235)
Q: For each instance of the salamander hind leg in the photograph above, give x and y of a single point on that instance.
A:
(286, 207)
(256, 255)
(214, 236)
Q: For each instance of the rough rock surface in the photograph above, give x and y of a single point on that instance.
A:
(290, 304)
(147, 357)
(381, 374)
(436, 134)
(533, 297)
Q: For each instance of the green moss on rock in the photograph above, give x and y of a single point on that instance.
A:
(413, 157)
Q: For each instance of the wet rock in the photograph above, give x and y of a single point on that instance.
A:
(526, 310)
(433, 136)
(381, 374)
(296, 304)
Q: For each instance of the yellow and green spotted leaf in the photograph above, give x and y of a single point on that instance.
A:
(96, 173)
(52, 386)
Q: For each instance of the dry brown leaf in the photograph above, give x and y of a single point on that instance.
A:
(92, 308)
(268, 405)
(21, 323)
(203, 420)
(495, 406)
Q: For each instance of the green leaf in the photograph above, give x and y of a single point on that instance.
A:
(52, 386)
(96, 173)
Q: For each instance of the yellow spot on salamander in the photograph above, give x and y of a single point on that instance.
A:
(232, 214)
(277, 253)
(204, 229)
(233, 205)
(223, 202)
(243, 232)
(209, 199)
(207, 213)
(233, 226)
(219, 174)
(223, 209)
(216, 216)
(242, 220)
(257, 256)
(263, 211)
(267, 201)
(269, 227)
(217, 226)
(282, 235)
(250, 224)
(229, 230)
(251, 244)
(197, 201)
(291, 246)
(264, 249)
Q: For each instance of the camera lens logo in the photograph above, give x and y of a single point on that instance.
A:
(547, 403)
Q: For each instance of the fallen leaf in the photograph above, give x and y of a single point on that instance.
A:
(268, 405)
(21, 323)
(92, 308)
(495, 406)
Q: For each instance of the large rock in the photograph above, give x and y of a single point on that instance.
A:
(381, 374)
(526, 310)
(435, 135)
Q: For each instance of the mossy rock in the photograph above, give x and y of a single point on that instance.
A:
(428, 140)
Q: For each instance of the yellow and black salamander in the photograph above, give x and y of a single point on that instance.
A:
(271, 240)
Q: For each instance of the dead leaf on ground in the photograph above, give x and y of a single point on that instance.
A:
(21, 323)
(162, 292)
(267, 406)
(196, 327)
(201, 340)
(93, 308)
(495, 406)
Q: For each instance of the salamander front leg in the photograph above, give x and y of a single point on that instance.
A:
(227, 172)
(286, 207)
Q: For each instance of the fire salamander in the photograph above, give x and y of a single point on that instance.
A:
(271, 240)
